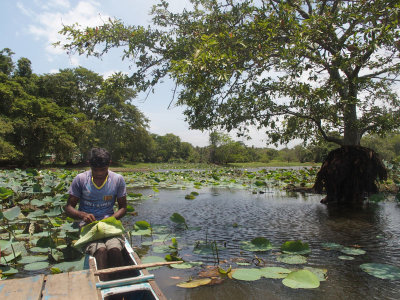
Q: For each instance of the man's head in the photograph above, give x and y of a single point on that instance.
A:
(99, 158)
(99, 161)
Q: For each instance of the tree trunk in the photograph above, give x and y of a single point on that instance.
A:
(352, 135)
(349, 173)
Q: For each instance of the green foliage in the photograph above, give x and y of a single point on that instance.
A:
(177, 218)
(336, 60)
(296, 247)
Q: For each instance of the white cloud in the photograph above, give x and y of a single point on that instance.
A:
(111, 72)
(48, 19)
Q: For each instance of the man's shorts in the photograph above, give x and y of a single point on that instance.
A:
(108, 243)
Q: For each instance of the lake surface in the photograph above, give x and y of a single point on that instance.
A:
(279, 217)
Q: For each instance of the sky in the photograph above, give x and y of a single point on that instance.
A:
(30, 27)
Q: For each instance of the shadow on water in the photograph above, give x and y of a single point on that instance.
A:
(279, 217)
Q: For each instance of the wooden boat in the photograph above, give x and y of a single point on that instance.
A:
(131, 283)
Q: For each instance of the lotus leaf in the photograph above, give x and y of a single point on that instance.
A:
(8, 271)
(296, 247)
(320, 273)
(352, 251)
(274, 272)
(184, 265)
(292, 259)
(302, 279)
(257, 244)
(332, 246)
(69, 266)
(44, 242)
(382, 271)
(194, 283)
(36, 266)
(38, 203)
(5, 193)
(10, 257)
(39, 250)
(12, 213)
(55, 211)
(99, 230)
(177, 218)
(346, 257)
(152, 259)
(246, 274)
(35, 214)
(141, 232)
(32, 259)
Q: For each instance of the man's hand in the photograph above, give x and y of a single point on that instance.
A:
(88, 218)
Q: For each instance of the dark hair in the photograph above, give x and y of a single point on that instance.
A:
(99, 158)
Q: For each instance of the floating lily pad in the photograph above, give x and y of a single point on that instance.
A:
(274, 272)
(352, 251)
(8, 271)
(257, 244)
(161, 249)
(69, 266)
(295, 247)
(382, 271)
(152, 259)
(146, 243)
(36, 266)
(332, 246)
(346, 257)
(11, 257)
(184, 265)
(243, 264)
(194, 283)
(39, 250)
(141, 232)
(292, 259)
(322, 274)
(302, 279)
(246, 274)
(32, 259)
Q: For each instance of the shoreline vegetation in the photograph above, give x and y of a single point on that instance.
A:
(389, 186)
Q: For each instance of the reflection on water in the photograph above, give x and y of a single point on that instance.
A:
(279, 217)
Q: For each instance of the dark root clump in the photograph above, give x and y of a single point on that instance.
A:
(99, 158)
(350, 173)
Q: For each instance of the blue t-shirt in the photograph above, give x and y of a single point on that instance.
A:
(99, 202)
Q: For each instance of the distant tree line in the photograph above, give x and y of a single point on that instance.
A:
(59, 117)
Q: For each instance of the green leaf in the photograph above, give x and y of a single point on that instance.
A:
(246, 274)
(12, 213)
(142, 225)
(257, 244)
(177, 218)
(274, 272)
(352, 251)
(36, 266)
(99, 230)
(295, 247)
(291, 259)
(32, 259)
(194, 283)
(8, 271)
(303, 279)
(382, 271)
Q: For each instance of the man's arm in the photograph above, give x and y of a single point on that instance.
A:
(121, 208)
(72, 212)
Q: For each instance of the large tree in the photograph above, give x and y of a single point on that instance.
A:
(295, 68)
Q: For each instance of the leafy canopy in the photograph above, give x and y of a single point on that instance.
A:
(297, 68)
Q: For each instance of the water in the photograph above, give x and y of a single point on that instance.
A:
(279, 217)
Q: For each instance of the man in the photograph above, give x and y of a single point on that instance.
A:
(96, 191)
